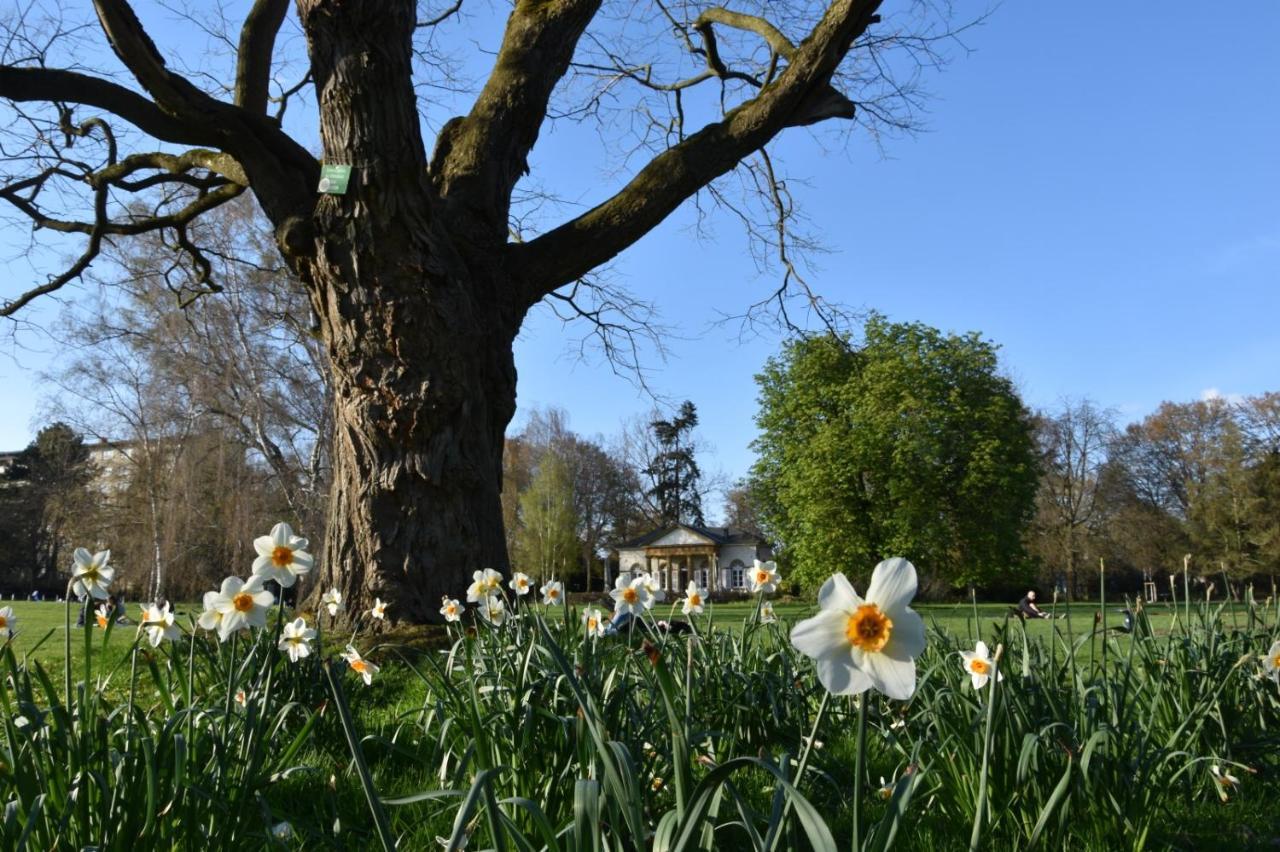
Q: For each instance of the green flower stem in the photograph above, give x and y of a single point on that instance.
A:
(976, 836)
(859, 769)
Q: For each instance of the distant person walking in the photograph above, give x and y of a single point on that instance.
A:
(1027, 606)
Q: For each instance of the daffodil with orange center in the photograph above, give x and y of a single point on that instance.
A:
(553, 593)
(695, 599)
(1271, 662)
(360, 665)
(593, 621)
(237, 605)
(764, 578)
(979, 665)
(859, 644)
(630, 595)
(282, 556)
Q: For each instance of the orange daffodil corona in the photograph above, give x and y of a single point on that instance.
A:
(282, 556)
(764, 578)
(360, 665)
(863, 643)
(237, 605)
(979, 665)
(631, 594)
(450, 609)
(593, 621)
(520, 584)
(102, 615)
(694, 600)
(553, 593)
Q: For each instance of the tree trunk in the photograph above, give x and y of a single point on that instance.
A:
(419, 338)
(419, 421)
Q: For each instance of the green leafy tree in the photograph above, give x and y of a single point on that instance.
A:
(911, 444)
(548, 543)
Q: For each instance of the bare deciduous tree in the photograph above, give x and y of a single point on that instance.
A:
(417, 285)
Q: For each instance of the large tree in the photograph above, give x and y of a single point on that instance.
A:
(909, 444)
(417, 286)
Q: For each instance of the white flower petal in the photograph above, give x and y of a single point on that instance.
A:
(838, 593)
(907, 640)
(841, 676)
(822, 636)
(264, 545)
(893, 584)
(895, 678)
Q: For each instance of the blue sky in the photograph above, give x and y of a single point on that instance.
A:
(1096, 191)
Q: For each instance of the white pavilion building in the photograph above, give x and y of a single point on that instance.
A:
(716, 558)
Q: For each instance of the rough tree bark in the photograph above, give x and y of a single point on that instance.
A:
(419, 337)
(417, 290)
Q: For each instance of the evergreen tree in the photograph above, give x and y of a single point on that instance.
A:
(673, 470)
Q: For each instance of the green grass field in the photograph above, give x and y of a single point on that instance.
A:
(489, 740)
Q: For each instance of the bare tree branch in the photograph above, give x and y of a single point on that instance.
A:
(598, 235)
(257, 44)
(479, 158)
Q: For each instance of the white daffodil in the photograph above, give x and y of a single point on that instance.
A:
(493, 610)
(103, 615)
(767, 615)
(241, 698)
(1270, 663)
(332, 600)
(360, 665)
(653, 586)
(593, 621)
(8, 621)
(158, 622)
(859, 644)
(237, 605)
(91, 574)
(979, 665)
(764, 578)
(886, 789)
(21, 722)
(520, 584)
(282, 556)
(484, 583)
(630, 595)
(1226, 783)
(694, 600)
(553, 593)
(379, 610)
(295, 639)
(450, 609)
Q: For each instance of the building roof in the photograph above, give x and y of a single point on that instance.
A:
(720, 535)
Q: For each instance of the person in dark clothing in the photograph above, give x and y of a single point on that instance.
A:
(1027, 607)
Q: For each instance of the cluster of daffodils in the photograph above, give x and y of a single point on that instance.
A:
(242, 604)
(864, 643)
(486, 593)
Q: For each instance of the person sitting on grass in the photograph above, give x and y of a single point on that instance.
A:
(1027, 606)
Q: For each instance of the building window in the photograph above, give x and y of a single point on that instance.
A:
(737, 575)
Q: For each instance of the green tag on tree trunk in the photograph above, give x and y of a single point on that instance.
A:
(334, 178)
